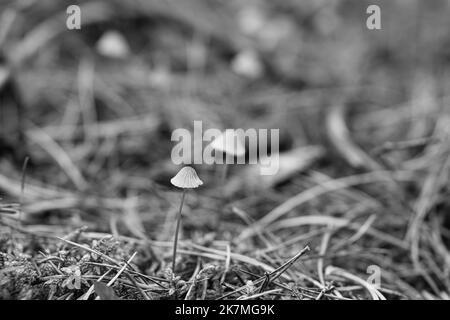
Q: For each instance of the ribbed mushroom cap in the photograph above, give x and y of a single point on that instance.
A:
(186, 178)
(229, 143)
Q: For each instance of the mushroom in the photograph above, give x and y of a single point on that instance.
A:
(228, 143)
(113, 45)
(248, 64)
(186, 178)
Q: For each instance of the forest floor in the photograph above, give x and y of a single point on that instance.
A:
(359, 208)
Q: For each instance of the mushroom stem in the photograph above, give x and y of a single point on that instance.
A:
(175, 242)
(224, 173)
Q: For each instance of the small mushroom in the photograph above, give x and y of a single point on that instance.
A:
(248, 64)
(113, 45)
(186, 178)
(228, 143)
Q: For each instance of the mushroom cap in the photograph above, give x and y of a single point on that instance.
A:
(186, 178)
(112, 44)
(229, 143)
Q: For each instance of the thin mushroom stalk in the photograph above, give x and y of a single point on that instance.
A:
(228, 144)
(224, 173)
(177, 230)
(186, 178)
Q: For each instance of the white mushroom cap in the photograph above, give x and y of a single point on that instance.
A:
(229, 143)
(113, 44)
(186, 178)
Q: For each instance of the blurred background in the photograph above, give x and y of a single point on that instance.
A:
(93, 110)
